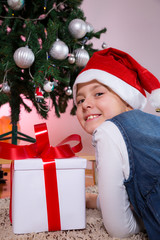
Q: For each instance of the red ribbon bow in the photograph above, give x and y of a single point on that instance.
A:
(48, 154)
(41, 147)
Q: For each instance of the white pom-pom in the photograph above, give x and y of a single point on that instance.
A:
(155, 99)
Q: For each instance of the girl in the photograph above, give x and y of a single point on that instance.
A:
(109, 94)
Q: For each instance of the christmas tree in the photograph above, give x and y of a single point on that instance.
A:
(43, 47)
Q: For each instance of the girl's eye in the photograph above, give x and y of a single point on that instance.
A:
(99, 94)
(80, 101)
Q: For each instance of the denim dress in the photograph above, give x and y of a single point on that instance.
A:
(141, 133)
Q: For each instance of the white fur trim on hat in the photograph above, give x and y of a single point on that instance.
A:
(128, 93)
(155, 98)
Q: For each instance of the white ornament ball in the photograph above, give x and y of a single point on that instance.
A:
(104, 45)
(24, 57)
(6, 87)
(68, 91)
(59, 50)
(89, 27)
(16, 4)
(82, 57)
(48, 86)
(71, 59)
(77, 28)
(61, 6)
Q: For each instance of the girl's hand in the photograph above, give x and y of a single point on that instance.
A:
(91, 200)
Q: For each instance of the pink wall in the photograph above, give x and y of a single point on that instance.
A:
(59, 128)
(133, 26)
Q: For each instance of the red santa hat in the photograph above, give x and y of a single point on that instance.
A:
(124, 75)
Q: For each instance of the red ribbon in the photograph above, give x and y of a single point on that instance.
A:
(48, 154)
(50, 177)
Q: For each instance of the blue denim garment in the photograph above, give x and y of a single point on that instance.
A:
(141, 133)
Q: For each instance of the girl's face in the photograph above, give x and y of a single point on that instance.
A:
(96, 103)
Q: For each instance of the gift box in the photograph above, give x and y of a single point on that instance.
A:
(47, 184)
(29, 204)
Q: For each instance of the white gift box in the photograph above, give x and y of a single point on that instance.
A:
(29, 209)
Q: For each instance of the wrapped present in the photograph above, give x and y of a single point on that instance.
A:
(48, 185)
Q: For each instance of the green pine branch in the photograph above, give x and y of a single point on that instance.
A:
(39, 29)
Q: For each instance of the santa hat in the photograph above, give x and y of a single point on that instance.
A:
(124, 75)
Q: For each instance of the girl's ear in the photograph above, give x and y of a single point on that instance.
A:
(128, 108)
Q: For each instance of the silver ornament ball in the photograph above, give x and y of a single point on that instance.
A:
(89, 27)
(71, 59)
(16, 4)
(59, 50)
(61, 7)
(104, 45)
(6, 87)
(48, 86)
(82, 57)
(24, 57)
(68, 91)
(78, 28)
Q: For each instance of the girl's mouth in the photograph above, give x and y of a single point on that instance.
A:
(91, 117)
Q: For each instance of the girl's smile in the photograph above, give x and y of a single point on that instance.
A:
(92, 116)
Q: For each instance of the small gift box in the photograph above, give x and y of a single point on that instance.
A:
(48, 185)
(66, 207)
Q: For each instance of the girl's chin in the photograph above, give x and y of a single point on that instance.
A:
(91, 129)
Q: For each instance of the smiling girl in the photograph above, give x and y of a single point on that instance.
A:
(109, 94)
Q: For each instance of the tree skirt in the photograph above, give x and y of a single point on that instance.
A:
(94, 227)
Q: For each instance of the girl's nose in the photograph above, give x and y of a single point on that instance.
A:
(88, 103)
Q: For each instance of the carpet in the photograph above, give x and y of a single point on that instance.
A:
(94, 227)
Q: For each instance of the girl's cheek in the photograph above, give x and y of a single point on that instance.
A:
(78, 114)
